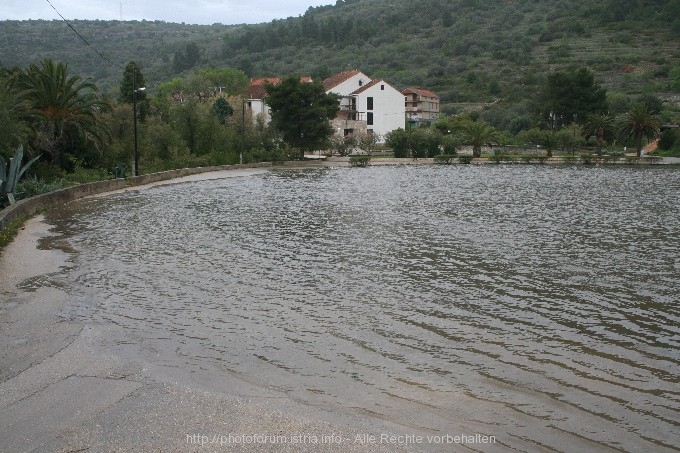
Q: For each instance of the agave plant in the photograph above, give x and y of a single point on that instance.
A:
(11, 173)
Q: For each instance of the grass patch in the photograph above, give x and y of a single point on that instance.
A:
(8, 233)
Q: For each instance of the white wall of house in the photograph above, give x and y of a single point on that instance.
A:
(352, 84)
(257, 108)
(388, 108)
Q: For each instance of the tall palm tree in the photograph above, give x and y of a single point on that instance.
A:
(60, 106)
(599, 124)
(477, 134)
(13, 131)
(639, 122)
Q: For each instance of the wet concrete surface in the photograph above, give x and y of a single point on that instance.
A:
(58, 394)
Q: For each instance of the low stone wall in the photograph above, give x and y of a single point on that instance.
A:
(31, 206)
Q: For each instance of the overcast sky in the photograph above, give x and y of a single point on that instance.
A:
(188, 11)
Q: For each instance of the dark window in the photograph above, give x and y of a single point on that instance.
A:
(369, 119)
(382, 87)
(348, 132)
(369, 103)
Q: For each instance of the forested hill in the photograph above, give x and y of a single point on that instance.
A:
(465, 50)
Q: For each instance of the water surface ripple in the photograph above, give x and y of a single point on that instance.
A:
(537, 304)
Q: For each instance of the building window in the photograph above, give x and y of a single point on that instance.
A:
(361, 83)
(369, 118)
(382, 87)
(348, 132)
(369, 103)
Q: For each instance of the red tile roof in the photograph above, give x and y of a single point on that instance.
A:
(257, 89)
(420, 92)
(337, 79)
(373, 83)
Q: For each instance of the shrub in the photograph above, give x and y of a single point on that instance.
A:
(11, 172)
(30, 187)
(119, 171)
(668, 139)
(499, 156)
(398, 141)
(466, 159)
(587, 159)
(446, 159)
(359, 161)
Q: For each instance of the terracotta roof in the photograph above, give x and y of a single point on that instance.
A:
(257, 89)
(263, 80)
(372, 84)
(337, 79)
(420, 92)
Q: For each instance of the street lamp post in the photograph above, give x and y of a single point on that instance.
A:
(134, 118)
(243, 131)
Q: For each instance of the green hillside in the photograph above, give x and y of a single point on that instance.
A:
(468, 51)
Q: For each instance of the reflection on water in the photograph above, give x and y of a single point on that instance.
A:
(536, 304)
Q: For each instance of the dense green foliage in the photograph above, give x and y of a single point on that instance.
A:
(63, 111)
(568, 96)
(302, 113)
(465, 50)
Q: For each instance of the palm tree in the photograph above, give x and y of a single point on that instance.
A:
(477, 134)
(639, 122)
(61, 107)
(13, 131)
(599, 124)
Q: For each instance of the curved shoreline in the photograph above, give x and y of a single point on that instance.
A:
(30, 206)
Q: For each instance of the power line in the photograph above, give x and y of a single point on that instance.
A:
(81, 37)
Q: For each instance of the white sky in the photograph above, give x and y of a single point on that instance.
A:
(188, 11)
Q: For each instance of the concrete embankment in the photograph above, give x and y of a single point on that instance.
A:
(30, 206)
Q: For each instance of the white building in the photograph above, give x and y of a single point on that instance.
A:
(373, 106)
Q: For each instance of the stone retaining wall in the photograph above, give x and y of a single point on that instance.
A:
(31, 206)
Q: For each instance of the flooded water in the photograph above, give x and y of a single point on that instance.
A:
(536, 304)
